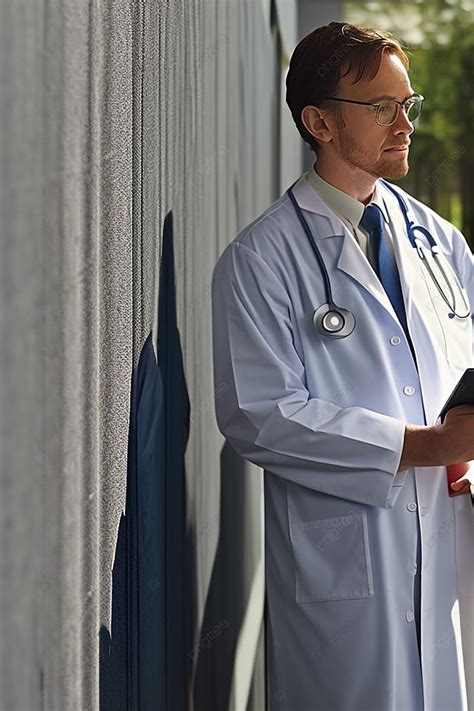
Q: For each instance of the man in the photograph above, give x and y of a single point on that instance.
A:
(369, 571)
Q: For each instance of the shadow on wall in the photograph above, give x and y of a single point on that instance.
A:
(218, 651)
(214, 653)
(141, 658)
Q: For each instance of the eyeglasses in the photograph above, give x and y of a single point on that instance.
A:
(387, 111)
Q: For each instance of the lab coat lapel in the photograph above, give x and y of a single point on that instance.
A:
(353, 262)
(350, 258)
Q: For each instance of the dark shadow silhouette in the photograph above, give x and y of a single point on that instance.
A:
(177, 422)
(227, 597)
(113, 645)
(141, 659)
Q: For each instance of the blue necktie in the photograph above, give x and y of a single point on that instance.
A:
(372, 222)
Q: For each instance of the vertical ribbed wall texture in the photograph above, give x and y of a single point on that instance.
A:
(72, 305)
(114, 115)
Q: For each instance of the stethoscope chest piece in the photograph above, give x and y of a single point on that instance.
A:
(333, 321)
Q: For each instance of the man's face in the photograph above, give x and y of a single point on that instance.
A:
(360, 141)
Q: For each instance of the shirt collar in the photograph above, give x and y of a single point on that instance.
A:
(344, 205)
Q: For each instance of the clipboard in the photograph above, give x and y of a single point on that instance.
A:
(463, 393)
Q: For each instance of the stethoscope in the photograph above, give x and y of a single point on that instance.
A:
(334, 321)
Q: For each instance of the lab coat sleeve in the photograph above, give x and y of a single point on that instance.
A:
(263, 407)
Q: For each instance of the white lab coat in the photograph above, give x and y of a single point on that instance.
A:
(325, 418)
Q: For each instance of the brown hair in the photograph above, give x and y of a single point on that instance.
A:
(326, 55)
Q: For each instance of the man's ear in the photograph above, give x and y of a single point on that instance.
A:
(314, 120)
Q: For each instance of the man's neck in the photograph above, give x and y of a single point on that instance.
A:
(357, 183)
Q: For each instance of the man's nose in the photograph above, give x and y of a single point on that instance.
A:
(403, 123)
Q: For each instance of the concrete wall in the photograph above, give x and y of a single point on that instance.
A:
(137, 138)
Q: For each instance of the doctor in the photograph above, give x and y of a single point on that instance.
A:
(334, 387)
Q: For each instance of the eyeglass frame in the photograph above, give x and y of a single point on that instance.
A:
(377, 106)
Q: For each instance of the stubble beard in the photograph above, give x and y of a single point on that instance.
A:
(354, 157)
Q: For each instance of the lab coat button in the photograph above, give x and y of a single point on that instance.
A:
(415, 568)
(408, 389)
(412, 506)
(410, 616)
(395, 340)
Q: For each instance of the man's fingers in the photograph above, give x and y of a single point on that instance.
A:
(460, 487)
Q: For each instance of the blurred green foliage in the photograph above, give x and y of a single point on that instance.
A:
(438, 36)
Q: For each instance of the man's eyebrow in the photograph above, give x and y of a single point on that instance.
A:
(391, 98)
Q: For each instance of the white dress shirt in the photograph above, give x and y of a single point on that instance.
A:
(350, 211)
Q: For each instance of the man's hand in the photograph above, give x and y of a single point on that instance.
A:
(459, 479)
(463, 486)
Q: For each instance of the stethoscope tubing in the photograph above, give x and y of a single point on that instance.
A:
(327, 283)
(410, 228)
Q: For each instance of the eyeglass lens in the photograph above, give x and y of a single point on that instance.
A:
(388, 110)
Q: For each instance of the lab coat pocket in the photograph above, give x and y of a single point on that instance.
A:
(332, 558)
